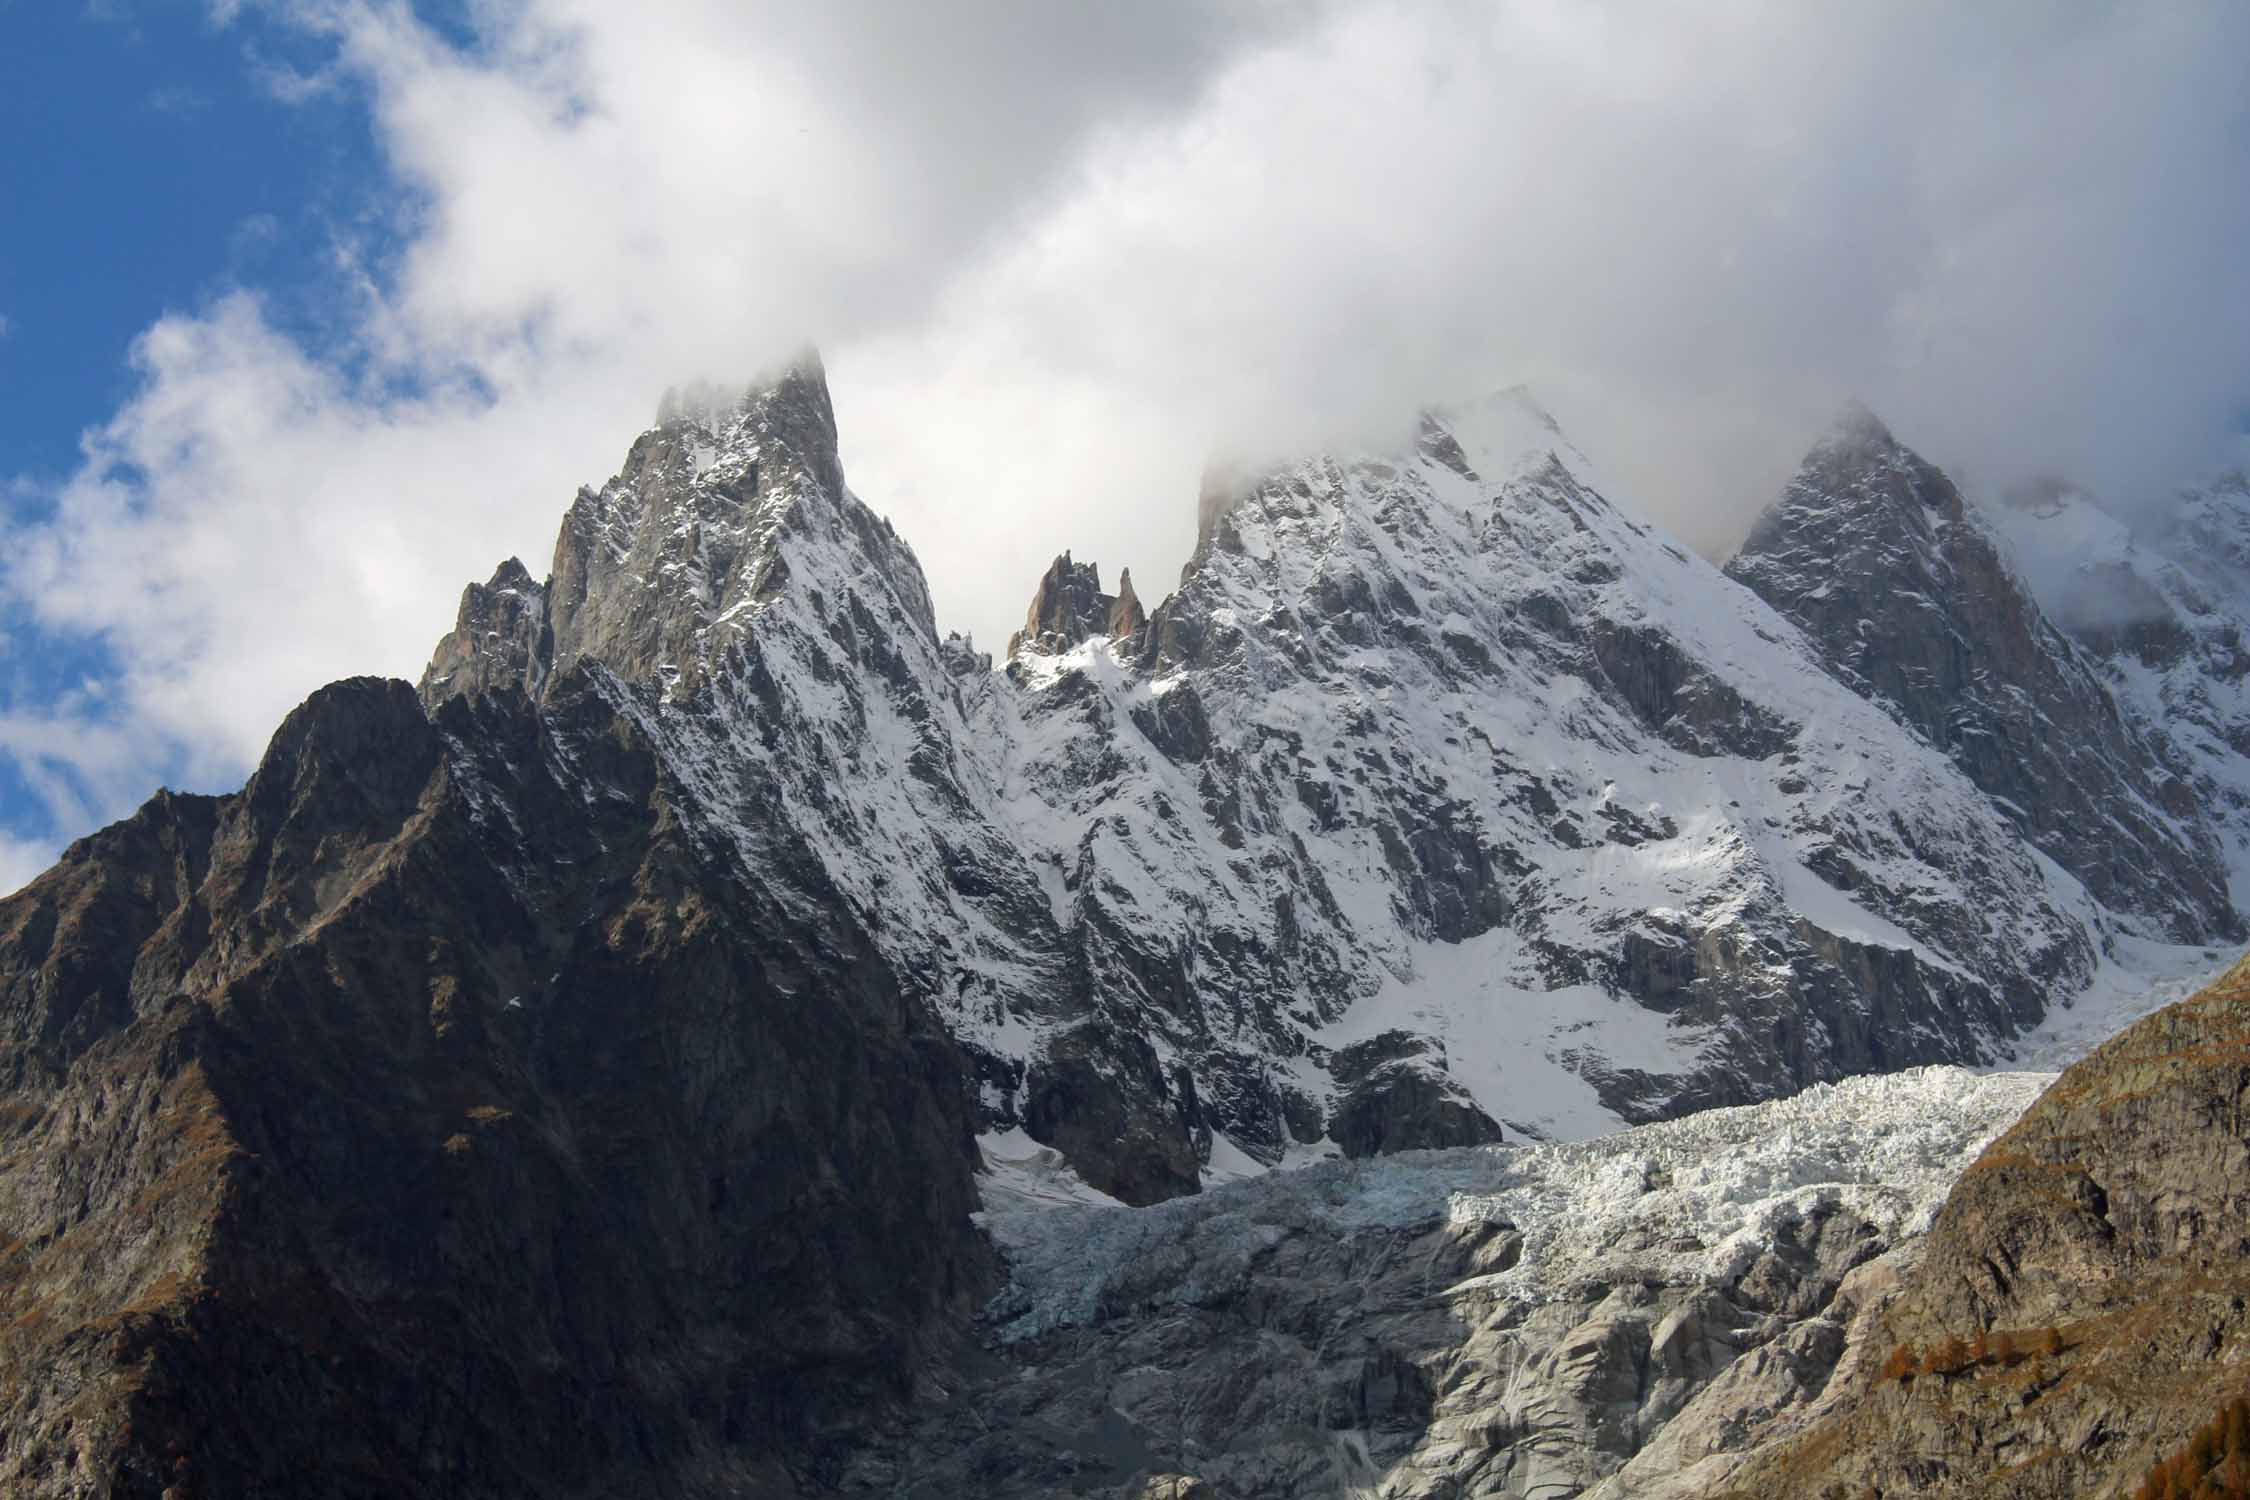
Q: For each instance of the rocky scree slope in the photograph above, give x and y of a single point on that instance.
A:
(1441, 798)
(455, 1110)
(2115, 1212)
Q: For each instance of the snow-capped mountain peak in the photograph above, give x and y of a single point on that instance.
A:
(1912, 603)
(1442, 799)
(2159, 598)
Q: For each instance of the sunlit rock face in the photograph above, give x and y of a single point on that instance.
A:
(2103, 1232)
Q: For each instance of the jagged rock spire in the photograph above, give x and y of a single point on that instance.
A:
(1125, 613)
(500, 638)
(735, 498)
(1069, 607)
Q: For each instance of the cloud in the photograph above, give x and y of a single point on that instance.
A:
(22, 861)
(1059, 255)
(83, 769)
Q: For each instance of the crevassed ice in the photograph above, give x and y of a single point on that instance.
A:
(1688, 1201)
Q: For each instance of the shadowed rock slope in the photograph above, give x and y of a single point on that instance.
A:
(448, 1113)
(1873, 553)
(2161, 601)
(2116, 1213)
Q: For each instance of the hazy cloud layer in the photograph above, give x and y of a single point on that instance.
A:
(1058, 255)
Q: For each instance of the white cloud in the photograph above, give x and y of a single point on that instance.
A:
(1056, 255)
(22, 861)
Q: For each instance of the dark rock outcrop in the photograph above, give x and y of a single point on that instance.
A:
(447, 1113)
(1395, 1095)
(1871, 551)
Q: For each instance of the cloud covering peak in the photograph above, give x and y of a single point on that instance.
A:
(1057, 256)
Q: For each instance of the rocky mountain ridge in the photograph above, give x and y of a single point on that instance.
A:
(441, 1114)
(1442, 797)
(2158, 603)
(1873, 552)
(563, 1077)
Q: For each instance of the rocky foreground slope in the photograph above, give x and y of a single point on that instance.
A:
(2107, 1233)
(449, 1112)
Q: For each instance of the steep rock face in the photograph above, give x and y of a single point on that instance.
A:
(783, 634)
(454, 1111)
(1872, 551)
(2115, 1212)
(500, 640)
(2162, 604)
(1521, 1322)
(1070, 607)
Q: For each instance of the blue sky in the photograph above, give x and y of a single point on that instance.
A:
(317, 309)
(152, 159)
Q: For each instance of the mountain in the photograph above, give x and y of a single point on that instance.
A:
(567, 1075)
(449, 1112)
(1873, 553)
(781, 638)
(1442, 775)
(1438, 797)
(2161, 603)
(1441, 801)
